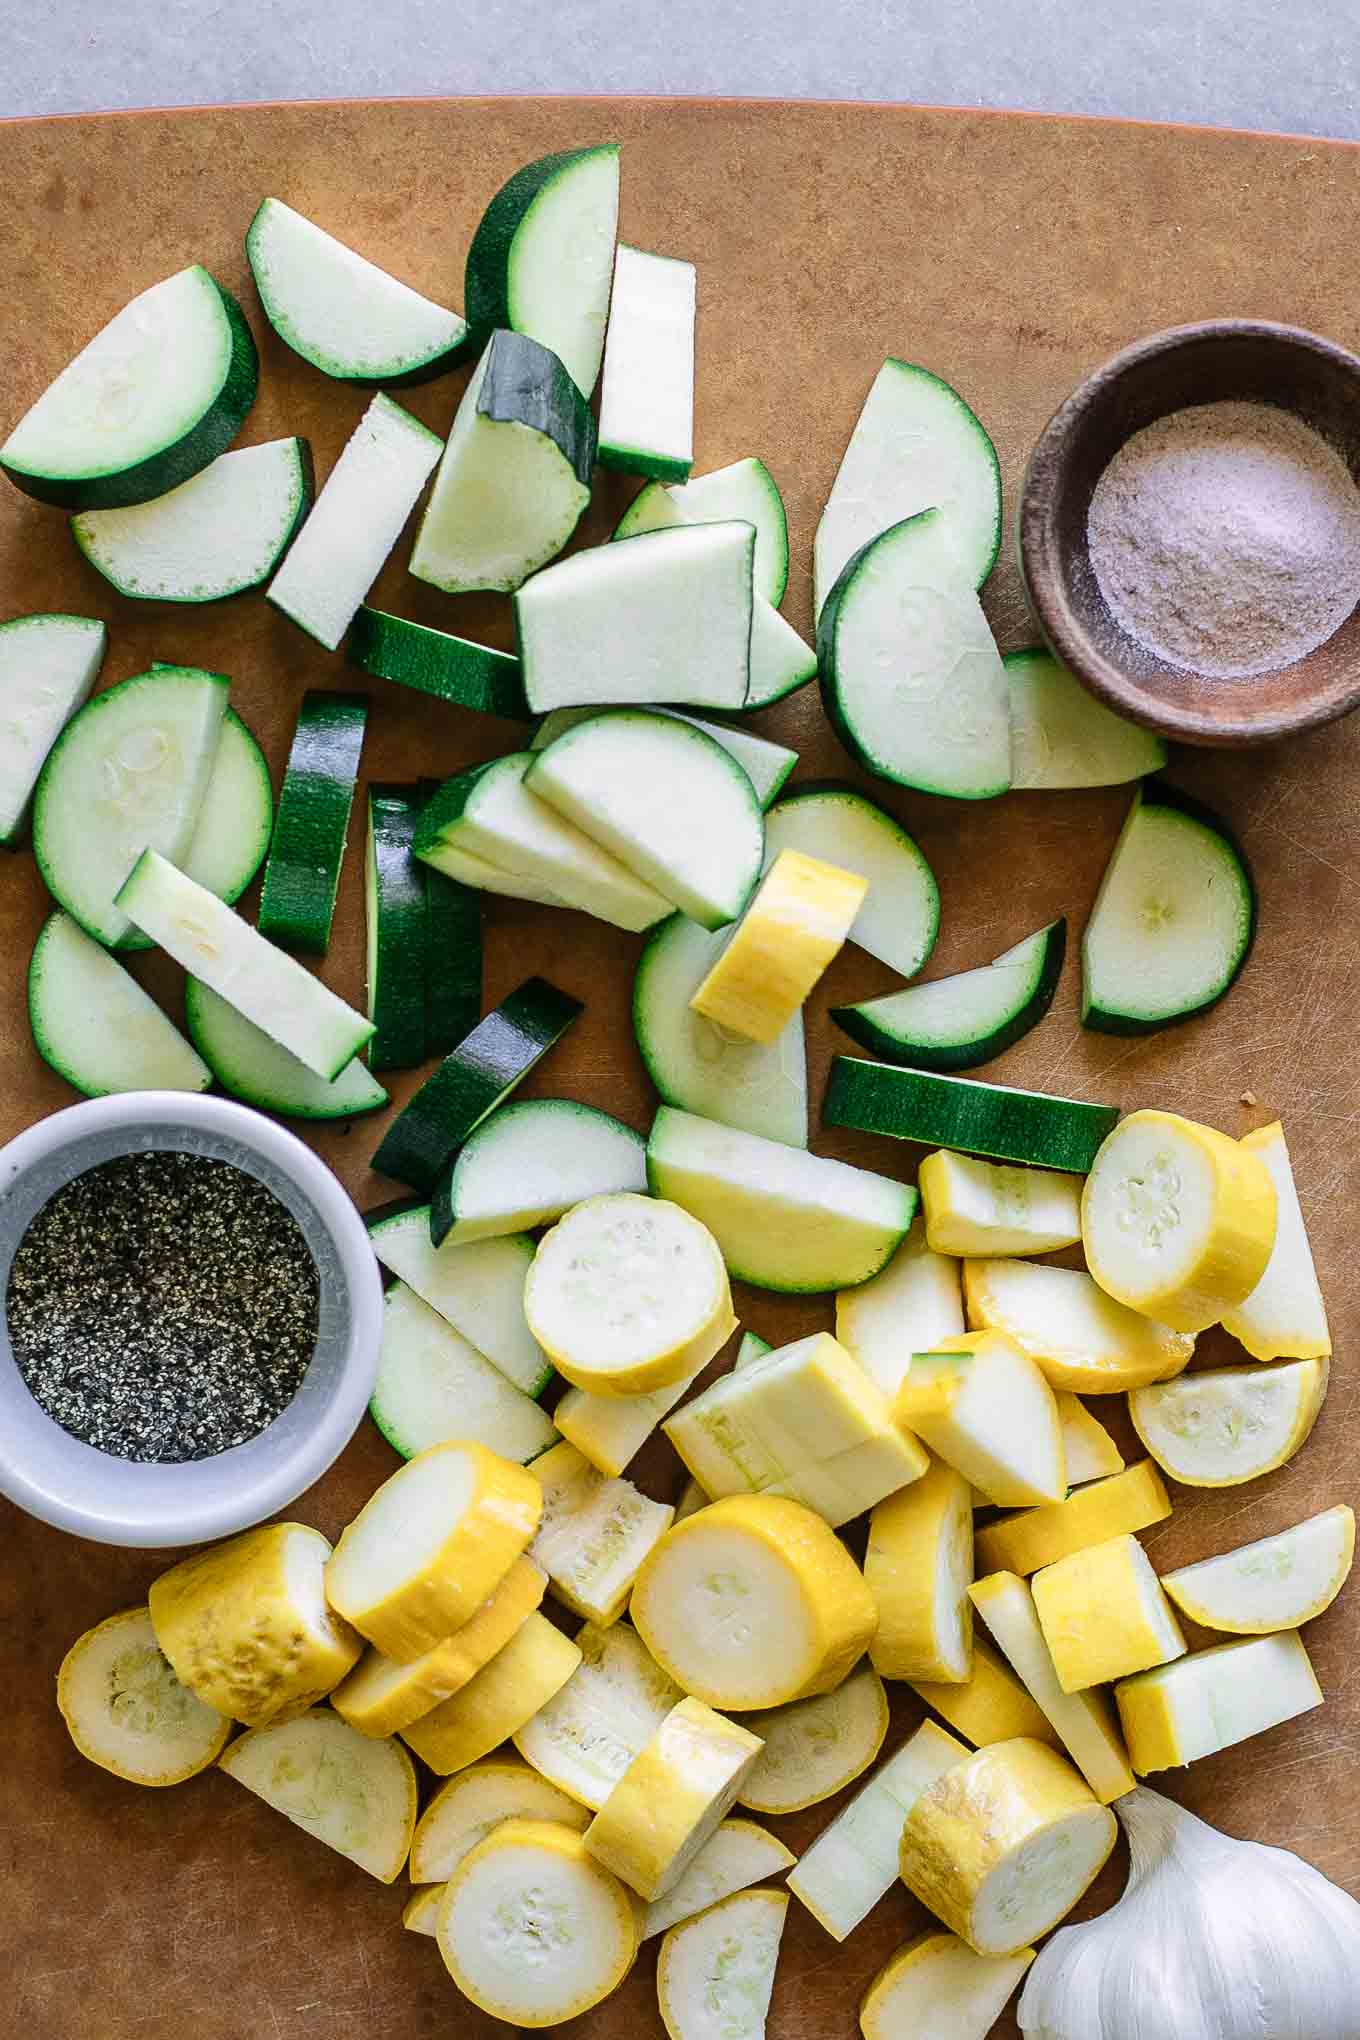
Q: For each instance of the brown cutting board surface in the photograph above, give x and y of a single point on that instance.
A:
(1008, 253)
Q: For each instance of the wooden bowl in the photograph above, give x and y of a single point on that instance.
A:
(1220, 359)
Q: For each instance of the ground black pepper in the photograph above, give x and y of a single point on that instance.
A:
(163, 1306)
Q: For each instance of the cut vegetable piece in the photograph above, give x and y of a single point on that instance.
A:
(431, 1546)
(433, 1386)
(522, 1677)
(542, 258)
(127, 774)
(420, 1914)
(1226, 1425)
(472, 1080)
(343, 313)
(95, 1026)
(48, 664)
(152, 399)
(915, 444)
(751, 1349)
(990, 1706)
(514, 479)
(765, 764)
(790, 932)
(671, 1799)
(587, 1735)
(246, 1625)
(1285, 1317)
(595, 1534)
(453, 954)
(628, 1294)
(1215, 1699)
(221, 533)
(986, 1409)
(956, 1023)
(1081, 1338)
(781, 661)
(357, 1796)
(452, 669)
(479, 1288)
(394, 913)
(701, 847)
(706, 1069)
(266, 985)
(126, 1711)
(1104, 1615)
(231, 835)
(1088, 1448)
(974, 1207)
(911, 677)
(1061, 736)
(739, 1854)
(248, 1064)
(529, 1164)
(753, 1602)
(664, 617)
(814, 1748)
(1173, 920)
(919, 1566)
(302, 876)
(908, 1308)
(1003, 1846)
(900, 916)
(938, 1985)
(715, 1974)
(356, 521)
(475, 872)
(647, 396)
(745, 490)
(1278, 1582)
(1085, 1722)
(1126, 1502)
(611, 1429)
(463, 1813)
(961, 1113)
(783, 1220)
(854, 1861)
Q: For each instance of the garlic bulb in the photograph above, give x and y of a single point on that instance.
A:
(1213, 1939)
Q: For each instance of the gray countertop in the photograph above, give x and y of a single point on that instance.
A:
(1238, 63)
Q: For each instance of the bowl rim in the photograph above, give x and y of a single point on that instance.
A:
(1038, 553)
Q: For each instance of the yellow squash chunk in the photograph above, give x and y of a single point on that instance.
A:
(739, 1854)
(1003, 1846)
(715, 1972)
(1177, 1219)
(919, 1567)
(127, 1712)
(420, 1914)
(380, 1696)
(936, 1986)
(464, 1811)
(532, 1929)
(1088, 1448)
(535, 1664)
(793, 927)
(814, 1748)
(1226, 1425)
(1104, 1615)
(355, 1795)
(431, 1546)
(1285, 1317)
(670, 1800)
(977, 1207)
(1081, 1338)
(991, 1705)
(1214, 1699)
(909, 1307)
(246, 1625)
(1128, 1501)
(594, 1535)
(984, 1407)
(1278, 1582)
(752, 1602)
(612, 1429)
(628, 1294)
(587, 1735)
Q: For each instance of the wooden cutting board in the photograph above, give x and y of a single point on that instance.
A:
(1008, 253)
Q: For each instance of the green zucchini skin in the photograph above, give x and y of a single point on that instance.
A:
(891, 1047)
(486, 281)
(452, 669)
(303, 872)
(972, 1117)
(526, 384)
(447, 803)
(397, 936)
(453, 954)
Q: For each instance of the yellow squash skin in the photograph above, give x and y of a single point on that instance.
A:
(671, 1798)
(535, 1664)
(797, 921)
(1171, 1716)
(991, 1706)
(113, 1688)
(1104, 1615)
(1080, 1337)
(926, 1976)
(914, 1536)
(1031, 1538)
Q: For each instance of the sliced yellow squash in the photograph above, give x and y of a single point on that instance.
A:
(535, 1664)
(814, 1748)
(919, 1566)
(1128, 1501)
(1278, 1582)
(126, 1711)
(1104, 1615)
(739, 1854)
(670, 1800)
(594, 1535)
(976, 1207)
(1214, 1699)
(1088, 1448)
(909, 1307)
(991, 1705)
(1081, 1338)
(936, 1986)
(356, 1795)
(798, 920)
(1285, 1317)
(420, 1914)
(585, 1737)
(466, 1808)
(985, 1408)
(1226, 1425)
(715, 1973)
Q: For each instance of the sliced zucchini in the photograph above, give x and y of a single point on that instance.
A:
(356, 1795)
(751, 1349)
(542, 258)
(472, 1081)
(530, 1163)
(959, 1112)
(435, 662)
(221, 533)
(915, 445)
(784, 1220)
(815, 1748)
(1277, 1582)
(231, 836)
(911, 676)
(918, 1566)
(595, 1534)
(909, 1308)
(984, 1407)
(247, 1063)
(664, 617)
(781, 661)
(514, 479)
(1173, 921)
(706, 1069)
(766, 765)
(478, 1288)
(127, 774)
(453, 953)
(126, 1711)
(746, 490)
(394, 890)
(1215, 1699)
(464, 1811)
(1061, 1317)
(152, 399)
(341, 312)
(1285, 1317)
(672, 1797)
(715, 1973)
(588, 1734)
(357, 519)
(977, 1207)
(738, 1855)
(434, 1387)
(956, 1023)
(647, 396)
(302, 876)
(48, 664)
(507, 1692)
(95, 1026)
(796, 924)
(937, 1984)
(900, 917)
(478, 876)
(1225, 1425)
(1061, 736)
(700, 846)
(266, 985)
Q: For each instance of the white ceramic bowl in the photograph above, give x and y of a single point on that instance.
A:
(123, 1501)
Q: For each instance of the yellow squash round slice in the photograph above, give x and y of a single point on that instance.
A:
(356, 1795)
(936, 1986)
(1278, 1582)
(797, 921)
(1104, 1615)
(465, 1810)
(919, 1566)
(670, 1800)
(715, 1972)
(535, 1664)
(1226, 1425)
(814, 1748)
(127, 1712)
(1080, 1337)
